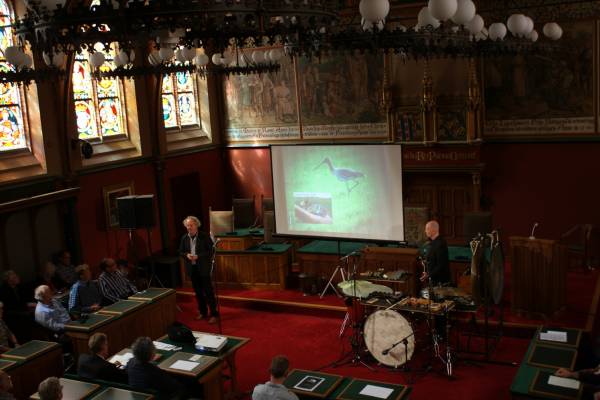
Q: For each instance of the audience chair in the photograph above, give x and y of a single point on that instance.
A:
(221, 221)
(244, 211)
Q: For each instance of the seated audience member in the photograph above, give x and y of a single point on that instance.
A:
(113, 284)
(85, 294)
(144, 375)
(274, 389)
(95, 365)
(47, 276)
(18, 305)
(65, 270)
(50, 389)
(49, 313)
(7, 339)
(6, 386)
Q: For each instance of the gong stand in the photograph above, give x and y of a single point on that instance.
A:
(481, 242)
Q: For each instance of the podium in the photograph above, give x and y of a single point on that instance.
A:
(539, 274)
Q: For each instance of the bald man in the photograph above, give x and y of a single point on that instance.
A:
(438, 268)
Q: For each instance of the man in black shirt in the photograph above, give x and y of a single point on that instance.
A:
(196, 248)
(95, 365)
(438, 268)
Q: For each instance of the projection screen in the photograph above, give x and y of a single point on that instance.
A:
(338, 191)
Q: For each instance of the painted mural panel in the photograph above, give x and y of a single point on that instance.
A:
(544, 95)
(340, 96)
(262, 107)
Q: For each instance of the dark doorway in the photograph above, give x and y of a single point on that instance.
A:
(187, 200)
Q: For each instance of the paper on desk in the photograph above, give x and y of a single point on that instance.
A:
(376, 391)
(164, 346)
(196, 357)
(554, 336)
(184, 365)
(564, 382)
(123, 359)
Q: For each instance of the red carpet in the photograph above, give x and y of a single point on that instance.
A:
(312, 341)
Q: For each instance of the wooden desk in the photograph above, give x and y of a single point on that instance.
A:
(74, 390)
(126, 320)
(227, 354)
(112, 393)
(30, 364)
(240, 239)
(259, 267)
(319, 258)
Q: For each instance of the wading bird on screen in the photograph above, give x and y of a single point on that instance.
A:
(345, 175)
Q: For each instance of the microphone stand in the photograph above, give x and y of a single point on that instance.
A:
(404, 341)
(215, 286)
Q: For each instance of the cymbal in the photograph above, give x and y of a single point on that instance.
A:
(362, 289)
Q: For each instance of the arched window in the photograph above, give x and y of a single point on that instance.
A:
(180, 107)
(99, 104)
(13, 131)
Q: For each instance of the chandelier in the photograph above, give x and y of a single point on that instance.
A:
(251, 36)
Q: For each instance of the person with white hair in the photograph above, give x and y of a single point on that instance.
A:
(49, 313)
(196, 248)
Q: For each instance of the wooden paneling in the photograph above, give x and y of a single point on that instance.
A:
(252, 270)
(27, 376)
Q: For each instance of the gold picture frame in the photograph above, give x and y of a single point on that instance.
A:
(110, 195)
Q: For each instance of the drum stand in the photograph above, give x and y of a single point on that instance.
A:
(354, 356)
(339, 268)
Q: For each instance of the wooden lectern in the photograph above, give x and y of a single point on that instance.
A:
(539, 274)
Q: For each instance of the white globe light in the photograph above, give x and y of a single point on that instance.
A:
(529, 28)
(517, 24)
(258, 56)
(216, 58)
(552, 31)
(12, 55)
(97, 59)
(465, 12)
(366, 25)
(475, 25)
(165, 53)
(533, 36)
(179, 56)
(374, 10)
(26, 61)
(482, 35)
(123, 56)
(425, 18)
(201, 60)
(154, 58)
(227, 58)
(442, 9)
(189, 54)
(497, 31)
(118, 61)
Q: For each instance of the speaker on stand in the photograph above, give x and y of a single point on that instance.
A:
(137, 212)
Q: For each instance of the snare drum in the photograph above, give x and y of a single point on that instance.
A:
(382, 330)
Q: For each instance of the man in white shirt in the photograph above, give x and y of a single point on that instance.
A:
(274, 389)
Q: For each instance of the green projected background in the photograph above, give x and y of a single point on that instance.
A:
(333, 189)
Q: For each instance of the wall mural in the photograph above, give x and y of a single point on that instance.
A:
(262, 106)
(338, 96)
(544, 95)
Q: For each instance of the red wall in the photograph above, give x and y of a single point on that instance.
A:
(98, 242)
(557, 184)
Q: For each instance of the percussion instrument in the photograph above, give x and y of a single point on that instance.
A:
(382, 330)
(362, 289)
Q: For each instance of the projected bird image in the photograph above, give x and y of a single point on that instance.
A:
(313, 208)
(347, 175)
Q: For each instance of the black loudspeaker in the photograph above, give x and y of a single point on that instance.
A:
(477, 222)
(136, 211)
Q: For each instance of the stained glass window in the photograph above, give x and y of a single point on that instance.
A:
(180, 107)
(12, 129)
(99, 105)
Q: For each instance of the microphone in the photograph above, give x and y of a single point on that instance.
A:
(532, 237)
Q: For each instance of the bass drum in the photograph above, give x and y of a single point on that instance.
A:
(382, 330)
